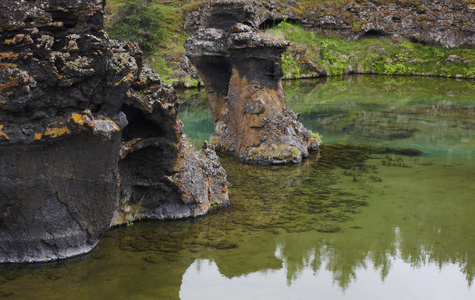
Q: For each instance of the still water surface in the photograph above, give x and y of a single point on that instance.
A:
(359, 220)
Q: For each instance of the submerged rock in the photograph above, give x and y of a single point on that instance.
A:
(89, 136)
(242, 72)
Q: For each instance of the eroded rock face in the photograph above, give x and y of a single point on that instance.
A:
(161, 174)
(86, 134)
(444, 23)
(242, 72)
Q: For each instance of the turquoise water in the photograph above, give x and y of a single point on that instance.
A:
(358, 220)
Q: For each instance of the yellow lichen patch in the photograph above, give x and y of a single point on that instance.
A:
(117, 128)
(38, 136)
(57, 131)
(127, 78)
(119, 219)
(78, 119)
(28, 55)
(8, 55)
(3, 135)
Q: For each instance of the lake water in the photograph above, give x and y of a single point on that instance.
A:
(384, 211)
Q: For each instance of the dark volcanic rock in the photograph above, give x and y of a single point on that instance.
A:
(86, 133)
(444, 23)
(56, 199)
(161, 174)
(242, 72)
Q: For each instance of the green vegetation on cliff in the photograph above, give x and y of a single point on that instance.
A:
(140, 22)
(371, 55)
(166, 53)
(157, 25)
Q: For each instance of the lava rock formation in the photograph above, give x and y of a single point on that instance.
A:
(89, 136)
(242, 72)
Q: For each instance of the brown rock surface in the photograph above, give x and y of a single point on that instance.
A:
(242, 74)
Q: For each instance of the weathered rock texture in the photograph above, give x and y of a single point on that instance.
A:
(242, 72)
(89, 137)
(445, 23)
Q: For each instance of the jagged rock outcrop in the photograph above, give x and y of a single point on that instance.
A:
(89, 137)
(242, 72)
(444, 23)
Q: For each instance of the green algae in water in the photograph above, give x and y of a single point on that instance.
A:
(385, 217)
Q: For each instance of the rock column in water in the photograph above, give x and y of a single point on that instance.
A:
(242, 72)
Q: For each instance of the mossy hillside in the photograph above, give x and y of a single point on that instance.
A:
(376, 56)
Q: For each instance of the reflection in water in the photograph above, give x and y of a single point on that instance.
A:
(427, 283)
(358, 220)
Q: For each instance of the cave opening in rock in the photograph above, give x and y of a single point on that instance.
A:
(139, 125)
(374, 34)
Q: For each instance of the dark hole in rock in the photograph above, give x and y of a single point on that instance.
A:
(59, 16)
(139, 125)
(414, 39)
(248, 23)
(373, 33)
(218, 70)
(223, 20)
(59, 43)
(240, 43)
(53, 29)
(28, 20)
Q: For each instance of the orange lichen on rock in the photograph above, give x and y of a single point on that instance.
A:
(79, 119)
(3, 135)
(38, 136)
(55, 132)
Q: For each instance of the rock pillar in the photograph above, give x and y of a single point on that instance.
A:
(242, 72)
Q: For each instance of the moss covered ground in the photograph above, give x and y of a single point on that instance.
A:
(369, 56)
